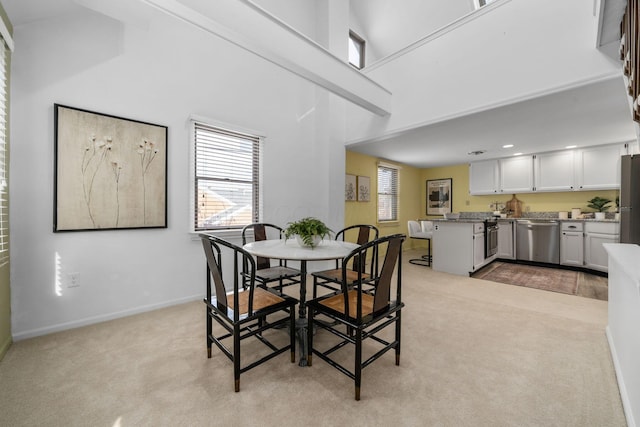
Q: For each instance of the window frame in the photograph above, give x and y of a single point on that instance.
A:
(482, 3)
(257, 139)
(4, 154)
(395, 195)
(361, 44)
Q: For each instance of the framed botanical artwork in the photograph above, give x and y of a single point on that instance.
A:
(350, 188)
(110, 172)
(364, 189)
(439, 197)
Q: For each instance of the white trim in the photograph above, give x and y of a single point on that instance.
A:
(101, 318)
(6, 35)
(227, 126)
(436, 34)
(624, 396)
(389, 165)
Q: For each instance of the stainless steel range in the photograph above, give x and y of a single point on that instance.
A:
(490, 237)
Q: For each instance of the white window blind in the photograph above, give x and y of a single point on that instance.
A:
(387, 193)
(4, 185)
(226, 178)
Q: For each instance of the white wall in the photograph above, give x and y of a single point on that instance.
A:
(510, 52)
(388, 26)
(160, 71)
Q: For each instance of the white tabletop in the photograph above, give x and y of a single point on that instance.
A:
(290, 250)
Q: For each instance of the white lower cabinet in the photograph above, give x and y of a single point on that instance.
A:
(458, 247)
(572, 244)
(506, 246)
(478, 247)
(596, 234)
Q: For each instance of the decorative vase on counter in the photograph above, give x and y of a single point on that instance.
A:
(600, 215)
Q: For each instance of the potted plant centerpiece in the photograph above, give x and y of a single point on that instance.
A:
(308, 231)
(600, 204)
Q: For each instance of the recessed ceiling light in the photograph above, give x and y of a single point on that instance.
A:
(517, 154)
(570, 146)
(476, 153)
(507, 146)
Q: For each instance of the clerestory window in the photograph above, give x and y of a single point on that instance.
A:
(356, 50)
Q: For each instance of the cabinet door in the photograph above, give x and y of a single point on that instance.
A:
(505, 240)
(598, 168)
(516, 174)
(554, 171)
(595, 256)
(483, 177)
(478, 250)
(572, 248)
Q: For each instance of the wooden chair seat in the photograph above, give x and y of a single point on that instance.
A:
(331, 279)
(336, 303)
(278, 272)
(268, 275)
(335, 275)
(262, 299)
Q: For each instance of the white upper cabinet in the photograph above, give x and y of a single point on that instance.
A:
(554, 171)
(592, 168)
(516, 174)
(483, 177)
(598, 168)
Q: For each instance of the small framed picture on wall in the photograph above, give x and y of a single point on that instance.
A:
(364, 189)
(350, 188)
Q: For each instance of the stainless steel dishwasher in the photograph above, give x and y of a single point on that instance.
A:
(538, 240)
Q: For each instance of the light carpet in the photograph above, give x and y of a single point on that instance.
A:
(474, 353)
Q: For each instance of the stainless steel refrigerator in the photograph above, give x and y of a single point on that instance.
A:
(630, 199)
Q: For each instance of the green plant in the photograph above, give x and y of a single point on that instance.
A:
(600, 204)
(307, 228)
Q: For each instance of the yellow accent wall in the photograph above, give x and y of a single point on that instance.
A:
(410, 188)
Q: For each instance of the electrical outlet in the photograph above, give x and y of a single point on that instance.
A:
(73, 280)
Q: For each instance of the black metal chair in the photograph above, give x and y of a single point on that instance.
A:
(358, 314)
(331, 279)
(266, 273)
(242, 311)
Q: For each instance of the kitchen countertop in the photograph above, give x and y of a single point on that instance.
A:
(474, 220)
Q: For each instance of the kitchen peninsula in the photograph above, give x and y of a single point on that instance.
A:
(465, 245)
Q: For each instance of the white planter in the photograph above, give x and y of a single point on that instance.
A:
(316, 241)
(600, 215)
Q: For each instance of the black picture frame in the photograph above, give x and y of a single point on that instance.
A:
(439, 196)
(110, 172)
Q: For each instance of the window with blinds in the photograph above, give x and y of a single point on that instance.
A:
(387, 193)
(226, 178)
(4, 185)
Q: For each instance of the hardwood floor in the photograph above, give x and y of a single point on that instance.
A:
(593, 286)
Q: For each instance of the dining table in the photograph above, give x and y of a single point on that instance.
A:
(290, 250)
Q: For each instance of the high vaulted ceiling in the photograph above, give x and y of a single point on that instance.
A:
(593, 114)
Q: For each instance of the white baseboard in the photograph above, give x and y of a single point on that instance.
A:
(101, 318)
(626, 403)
